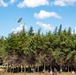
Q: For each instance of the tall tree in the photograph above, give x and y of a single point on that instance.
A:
(69, 31)
(60, 29)
(55, 31)
(31, 31)
(2, 50)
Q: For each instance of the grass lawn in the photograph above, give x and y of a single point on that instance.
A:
(64, 73)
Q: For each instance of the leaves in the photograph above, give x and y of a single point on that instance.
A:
(32, 48)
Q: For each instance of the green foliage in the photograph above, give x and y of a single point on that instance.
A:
(32, 48)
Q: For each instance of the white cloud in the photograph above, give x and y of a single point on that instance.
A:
(18, 29)
(3, 4)
(43, 14)
(12, 1)
(64, 2)
(33, 3)
(45, 26)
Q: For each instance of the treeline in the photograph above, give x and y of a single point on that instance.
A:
(23, 48)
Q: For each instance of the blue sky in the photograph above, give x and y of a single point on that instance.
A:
(44, 14)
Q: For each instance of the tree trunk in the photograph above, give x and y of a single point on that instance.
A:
(7, 68)
(44, 67)
(60, 69)
(38, 68)
(68, 68)
(24, 70)
(21, 68)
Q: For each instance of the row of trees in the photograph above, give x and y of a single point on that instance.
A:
(56, 48)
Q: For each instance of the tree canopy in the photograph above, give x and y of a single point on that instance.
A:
(21, 48)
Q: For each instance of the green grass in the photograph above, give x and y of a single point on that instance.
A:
(64, 73)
